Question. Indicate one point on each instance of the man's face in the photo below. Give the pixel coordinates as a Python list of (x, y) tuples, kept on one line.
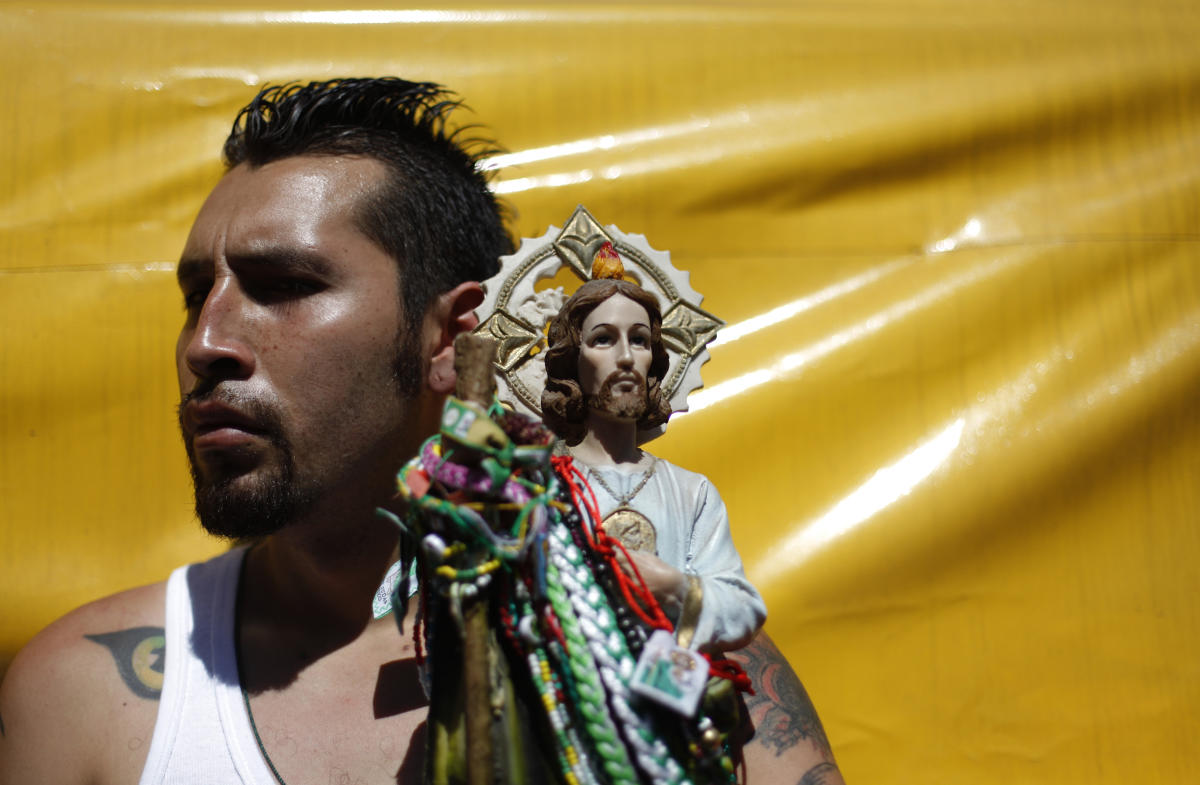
[(287, 357), (615, 356)]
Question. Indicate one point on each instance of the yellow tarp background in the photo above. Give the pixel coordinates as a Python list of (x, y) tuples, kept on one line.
[(954, 416)]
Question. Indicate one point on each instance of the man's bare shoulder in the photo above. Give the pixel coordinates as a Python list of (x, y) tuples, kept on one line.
[(79, 702)]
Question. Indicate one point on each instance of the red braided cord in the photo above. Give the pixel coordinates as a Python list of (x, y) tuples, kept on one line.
[(604, 545), (728, 669), (644, 605), (508, 625), (553, 626), (654, 615)]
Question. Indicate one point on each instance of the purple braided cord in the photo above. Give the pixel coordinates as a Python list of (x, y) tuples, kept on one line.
[(455, 475)]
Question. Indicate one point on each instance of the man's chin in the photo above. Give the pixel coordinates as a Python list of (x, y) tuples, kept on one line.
[(229, 465), (237, 519), (249, 506)]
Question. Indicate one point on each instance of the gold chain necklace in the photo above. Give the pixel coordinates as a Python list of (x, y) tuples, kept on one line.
[(623, 500), (627, 525)]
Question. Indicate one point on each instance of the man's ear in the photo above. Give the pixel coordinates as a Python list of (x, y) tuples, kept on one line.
[(452, 313)]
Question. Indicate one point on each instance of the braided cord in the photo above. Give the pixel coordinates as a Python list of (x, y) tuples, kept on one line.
[(611, 653), (556, 605), (572, 752), (592, 706), (569, 750)]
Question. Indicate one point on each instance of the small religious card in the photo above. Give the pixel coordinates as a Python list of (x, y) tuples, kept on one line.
[(670, 674), (381, 605)]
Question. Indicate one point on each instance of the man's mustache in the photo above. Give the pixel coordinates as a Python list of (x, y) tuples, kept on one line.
[(201, 392), (265, 417)]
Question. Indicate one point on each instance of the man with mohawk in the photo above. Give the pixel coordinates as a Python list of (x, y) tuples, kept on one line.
[(324, 280)]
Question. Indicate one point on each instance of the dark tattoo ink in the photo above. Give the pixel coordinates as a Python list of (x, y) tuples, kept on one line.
[(781, 710), (140, 653), (3, 735), (821, 774)]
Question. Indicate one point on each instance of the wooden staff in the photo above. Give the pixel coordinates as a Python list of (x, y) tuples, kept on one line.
[(476, 382)]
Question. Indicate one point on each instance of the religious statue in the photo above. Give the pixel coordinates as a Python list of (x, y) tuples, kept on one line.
[(605, 366), (547, 573)]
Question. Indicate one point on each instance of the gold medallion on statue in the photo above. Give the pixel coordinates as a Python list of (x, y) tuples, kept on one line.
[(631, 529)]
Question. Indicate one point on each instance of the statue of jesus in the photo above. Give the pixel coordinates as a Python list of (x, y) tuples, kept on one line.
[(604, 365)]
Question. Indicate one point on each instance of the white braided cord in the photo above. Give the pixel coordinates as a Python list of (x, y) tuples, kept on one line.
[(598, 721), (613, 658), (561, 721)]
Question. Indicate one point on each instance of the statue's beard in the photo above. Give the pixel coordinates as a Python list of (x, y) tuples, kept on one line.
[(629, 405)]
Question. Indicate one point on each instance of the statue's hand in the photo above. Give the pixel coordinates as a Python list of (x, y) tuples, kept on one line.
[(668, 585)]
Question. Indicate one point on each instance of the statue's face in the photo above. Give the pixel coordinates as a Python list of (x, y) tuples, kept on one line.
[(615, 355)]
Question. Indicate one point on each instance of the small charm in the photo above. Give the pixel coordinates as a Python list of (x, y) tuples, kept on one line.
[(631, 529), (381, 604), (670, 675)]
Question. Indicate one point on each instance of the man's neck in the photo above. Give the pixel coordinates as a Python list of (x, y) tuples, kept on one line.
[(306, 591)]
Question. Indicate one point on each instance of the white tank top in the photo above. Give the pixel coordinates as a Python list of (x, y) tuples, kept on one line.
[(203, 735)]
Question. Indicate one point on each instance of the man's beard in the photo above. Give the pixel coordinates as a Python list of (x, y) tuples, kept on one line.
[(624, 405), (229, 504), (271, 501)]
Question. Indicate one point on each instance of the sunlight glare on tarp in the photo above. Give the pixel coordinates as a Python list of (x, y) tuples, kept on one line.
[(882, 489)]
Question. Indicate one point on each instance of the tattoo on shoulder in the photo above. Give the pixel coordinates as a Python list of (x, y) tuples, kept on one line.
[(139, 653), (821, 774), (781, 710)]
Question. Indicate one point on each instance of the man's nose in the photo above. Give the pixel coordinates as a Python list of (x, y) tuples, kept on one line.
[(218, 347)]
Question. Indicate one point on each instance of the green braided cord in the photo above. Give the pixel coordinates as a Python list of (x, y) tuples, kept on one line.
[(566, 735), (583, 768), (592, 705), (568, 679), (451, 512), (612, 648)]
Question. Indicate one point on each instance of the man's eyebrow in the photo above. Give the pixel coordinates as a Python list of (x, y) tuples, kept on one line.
[(189, 268), (290, 259), (298, 260)]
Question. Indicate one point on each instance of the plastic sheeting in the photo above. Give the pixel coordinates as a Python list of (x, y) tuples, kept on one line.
[(954, 414)]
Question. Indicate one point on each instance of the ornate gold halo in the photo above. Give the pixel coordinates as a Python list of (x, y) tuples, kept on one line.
[(516, 315)]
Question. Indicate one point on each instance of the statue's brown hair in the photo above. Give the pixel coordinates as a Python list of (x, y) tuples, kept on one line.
[(564, 408)]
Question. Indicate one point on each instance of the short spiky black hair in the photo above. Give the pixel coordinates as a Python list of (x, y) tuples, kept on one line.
[(434, 213)]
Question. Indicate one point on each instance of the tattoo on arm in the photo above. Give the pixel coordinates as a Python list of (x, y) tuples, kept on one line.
[(781, 710), (2, 733), (139, 653)]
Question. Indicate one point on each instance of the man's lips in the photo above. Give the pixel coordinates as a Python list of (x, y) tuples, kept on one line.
[(214, 424)]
